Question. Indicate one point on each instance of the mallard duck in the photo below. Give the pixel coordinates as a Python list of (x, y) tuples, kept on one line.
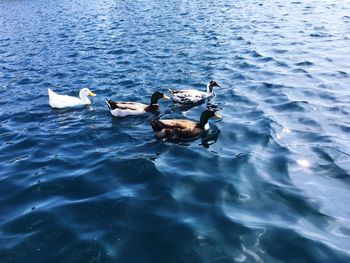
[(121, 109), (192, 96), (63, 101), (182, 129)]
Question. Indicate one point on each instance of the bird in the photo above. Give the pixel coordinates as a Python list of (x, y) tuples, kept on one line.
[(122, 109), (192, 96), (64, 101), (182, 129)]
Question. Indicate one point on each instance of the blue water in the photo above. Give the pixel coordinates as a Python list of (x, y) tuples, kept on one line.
[(77, 185)]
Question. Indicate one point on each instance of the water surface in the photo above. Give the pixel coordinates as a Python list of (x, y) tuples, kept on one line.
[(77, 185)]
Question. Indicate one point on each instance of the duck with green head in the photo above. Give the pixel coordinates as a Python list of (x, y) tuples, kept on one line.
[(122, 109), (182, 129)]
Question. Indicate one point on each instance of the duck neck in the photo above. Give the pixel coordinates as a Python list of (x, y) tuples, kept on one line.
[(154, 101), (203, 123), (209, 89), (84, 99)]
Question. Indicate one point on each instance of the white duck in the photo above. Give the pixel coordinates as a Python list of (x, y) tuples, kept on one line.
[(192, 96), (63, 101)]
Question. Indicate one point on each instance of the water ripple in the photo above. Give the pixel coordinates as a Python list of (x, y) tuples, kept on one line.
[(268, 183)]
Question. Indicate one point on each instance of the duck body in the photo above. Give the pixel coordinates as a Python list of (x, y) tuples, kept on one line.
[(122, 109), (182, 129), (192, 96), (65, 101), (176, 129), (189, 96)]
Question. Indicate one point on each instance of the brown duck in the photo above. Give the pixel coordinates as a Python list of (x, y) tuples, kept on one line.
[(182, 129)]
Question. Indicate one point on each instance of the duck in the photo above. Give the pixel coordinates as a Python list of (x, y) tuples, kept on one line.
[(122, 109), (64, 101), (182, 129), (192, 96)]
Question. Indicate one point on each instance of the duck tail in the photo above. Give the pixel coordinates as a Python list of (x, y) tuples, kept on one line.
[(51, 94), (50, 91), (112, 105), (109, 103), (157, 125)]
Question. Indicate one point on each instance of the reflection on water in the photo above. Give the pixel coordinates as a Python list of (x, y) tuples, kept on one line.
[(210, 136)]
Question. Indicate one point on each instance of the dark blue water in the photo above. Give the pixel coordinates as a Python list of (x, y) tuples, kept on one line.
[(77, 185)]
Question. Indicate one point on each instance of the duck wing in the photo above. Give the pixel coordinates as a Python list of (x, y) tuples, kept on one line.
[(175, 129), (191, 92), (188, 96), (134, 106), (171, 124)]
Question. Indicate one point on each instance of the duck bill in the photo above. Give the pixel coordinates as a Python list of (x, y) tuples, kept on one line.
[(217, 116), (165, 97), (92, 94)]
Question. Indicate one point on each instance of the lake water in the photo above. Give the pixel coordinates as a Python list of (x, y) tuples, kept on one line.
[(77, 185)]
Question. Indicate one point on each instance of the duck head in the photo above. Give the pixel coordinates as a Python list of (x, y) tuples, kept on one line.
[(158, 95), (211, 84), (206, 115), (84, 93)]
